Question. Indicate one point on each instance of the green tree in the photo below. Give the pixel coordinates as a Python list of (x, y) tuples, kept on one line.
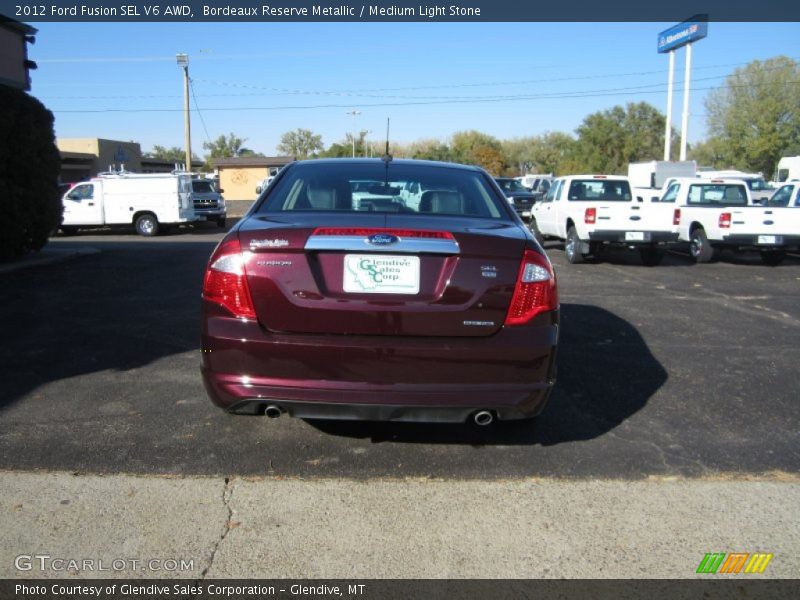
[(428, 149), (173, 154), (227, 147), (756, 115), (300, 143), (477, 148), (29, 171), (519, 153), (711, 153), (610, 139), (343, 149)]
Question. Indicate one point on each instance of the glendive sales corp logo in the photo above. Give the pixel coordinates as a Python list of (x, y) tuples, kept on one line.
[(736, 562)]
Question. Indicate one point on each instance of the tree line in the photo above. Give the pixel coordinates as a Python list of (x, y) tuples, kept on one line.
[(752, 120)]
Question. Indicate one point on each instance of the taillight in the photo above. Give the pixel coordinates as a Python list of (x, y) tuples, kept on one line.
[(725, 220), (367, 231), (590, 216), (676, 217), (226, 279), (535, 292)]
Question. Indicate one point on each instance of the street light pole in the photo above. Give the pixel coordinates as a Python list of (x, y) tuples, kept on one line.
[(366, 132), (183, 61), (355, 113)]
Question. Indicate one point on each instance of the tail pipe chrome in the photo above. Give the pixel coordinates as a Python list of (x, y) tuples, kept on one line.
[(273, 412), (483, 417)]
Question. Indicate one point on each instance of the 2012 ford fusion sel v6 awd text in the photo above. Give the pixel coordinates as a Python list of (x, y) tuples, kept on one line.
[(420, 297)]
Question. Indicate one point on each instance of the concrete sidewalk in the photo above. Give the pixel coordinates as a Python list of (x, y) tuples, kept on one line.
[(284, 528)]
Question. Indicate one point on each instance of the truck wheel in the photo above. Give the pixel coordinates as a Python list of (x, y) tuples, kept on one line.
[(699, 246), (572, 247), (535, 231), (221, 222), (651, 257), (772, 258), (146, 225), (69, 230)]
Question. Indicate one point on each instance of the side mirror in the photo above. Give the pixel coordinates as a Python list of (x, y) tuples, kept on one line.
[(73, 196), (639, 199), (258, 189), (654, 199), (220, 191)]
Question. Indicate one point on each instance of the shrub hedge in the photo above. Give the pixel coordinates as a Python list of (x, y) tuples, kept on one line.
[(29, 170)]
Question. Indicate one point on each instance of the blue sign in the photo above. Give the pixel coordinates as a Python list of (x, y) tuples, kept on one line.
[(692, 30)]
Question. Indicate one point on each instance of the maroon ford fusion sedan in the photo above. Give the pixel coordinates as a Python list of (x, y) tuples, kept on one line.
[(380, 289)]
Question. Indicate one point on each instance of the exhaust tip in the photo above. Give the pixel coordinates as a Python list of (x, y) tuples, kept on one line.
[(483, 417), (273, 412)]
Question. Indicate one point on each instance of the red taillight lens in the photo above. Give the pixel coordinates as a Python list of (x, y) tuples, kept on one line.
[(367, 231), (590, 216), (536, 290), (676, 217), (725, 220), (226, 280)]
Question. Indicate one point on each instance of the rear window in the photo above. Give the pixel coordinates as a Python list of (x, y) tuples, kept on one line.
[(599, 189), (374, 187), (721, 194)]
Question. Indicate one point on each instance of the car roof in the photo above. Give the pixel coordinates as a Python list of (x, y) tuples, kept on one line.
[(399, 161)]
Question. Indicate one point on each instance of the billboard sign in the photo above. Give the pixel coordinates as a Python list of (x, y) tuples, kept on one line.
[(692, 30)]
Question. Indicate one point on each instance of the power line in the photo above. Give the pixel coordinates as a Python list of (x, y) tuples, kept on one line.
[(199, 114), (290, 91), (563, 95)]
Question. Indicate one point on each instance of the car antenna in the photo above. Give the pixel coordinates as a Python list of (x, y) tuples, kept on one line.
[(387, 158)]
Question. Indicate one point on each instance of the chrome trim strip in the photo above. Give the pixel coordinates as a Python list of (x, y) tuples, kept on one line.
[(352, 243)]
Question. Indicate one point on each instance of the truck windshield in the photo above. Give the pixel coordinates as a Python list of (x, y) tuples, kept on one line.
[(511, 185), (202, 187), (615, 190)]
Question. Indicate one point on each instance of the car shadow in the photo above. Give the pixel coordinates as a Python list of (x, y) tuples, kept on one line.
[(129, 305), (606, 373)]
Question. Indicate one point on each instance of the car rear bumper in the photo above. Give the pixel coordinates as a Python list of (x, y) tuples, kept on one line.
[(511, 373), (763, 241), (622, 237)]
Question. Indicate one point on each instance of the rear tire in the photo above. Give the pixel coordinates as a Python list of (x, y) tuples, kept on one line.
[(67, 230), (651, 257), (772, 258), (146, 225), (700, 248), (572, 248)]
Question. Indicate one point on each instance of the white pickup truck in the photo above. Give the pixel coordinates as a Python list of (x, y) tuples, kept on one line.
[(590, 212), (787, 195), (716, 213)]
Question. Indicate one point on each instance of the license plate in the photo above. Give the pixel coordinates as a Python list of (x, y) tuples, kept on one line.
[(526, 213), (634, 236), (381, 274), (770, 239)]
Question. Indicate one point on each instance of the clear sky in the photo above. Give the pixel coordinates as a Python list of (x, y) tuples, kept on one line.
[(259, 80)]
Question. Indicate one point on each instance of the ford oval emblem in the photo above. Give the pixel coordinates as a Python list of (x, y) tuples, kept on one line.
[(382, 239)]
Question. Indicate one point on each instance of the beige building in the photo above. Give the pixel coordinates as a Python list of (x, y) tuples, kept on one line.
[(240, 176), (82, 158)]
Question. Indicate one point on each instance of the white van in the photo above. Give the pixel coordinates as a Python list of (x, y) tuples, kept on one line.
[(150, 202)]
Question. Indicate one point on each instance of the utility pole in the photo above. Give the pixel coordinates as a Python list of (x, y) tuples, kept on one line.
[(183, 61), (355, 113)]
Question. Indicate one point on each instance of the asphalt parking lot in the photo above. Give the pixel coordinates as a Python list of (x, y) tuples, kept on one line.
[(676, 370)]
